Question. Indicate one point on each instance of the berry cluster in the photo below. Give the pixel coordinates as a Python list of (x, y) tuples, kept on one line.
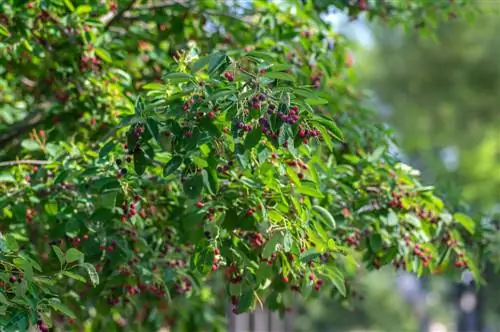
[(257, 240), (257, 100), (316, 80), (292, 117), (423, 254), (42, 326), (183, 286)]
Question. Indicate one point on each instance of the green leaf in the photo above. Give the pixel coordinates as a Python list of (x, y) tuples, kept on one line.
[(69, 5), (178, 77), (75, 276), (216, 63), (309, 255), (172, 165), (54, 303), (316, 101), (153, 86), (210, 180), (281, 67), (465, 221), (310, 191), (140, 162), (337, 279), (30, 145), (330, 125), (270, 246), (59, 254), (5, 177), (51, 208), (106, 149), (94, 277), (103, 54), (246, 301), (73, 255), (193, 186), (252, 138), (266, 56), (325, 215), (200, 63), (3, 299), (280, 76), (83, 9)]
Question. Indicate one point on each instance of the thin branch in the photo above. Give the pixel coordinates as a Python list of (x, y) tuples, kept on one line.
[(22, 127), (27, 161), (108, 21)]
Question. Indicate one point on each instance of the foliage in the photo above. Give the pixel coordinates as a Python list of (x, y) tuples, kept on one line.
[(162, 153)]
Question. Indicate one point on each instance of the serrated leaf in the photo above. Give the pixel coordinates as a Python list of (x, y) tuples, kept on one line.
[(75, 276), (465, 221), (325, 216), (270, 246), (309, 255), (73, 255), (172, 165), (153, 86), (309, 191), (200, 63), (106, 149), (103, 54), (54, 303), (5, 177), (3, 299), (30, 145), (94, 277), (178, 77), (280, 76), (59, 254)]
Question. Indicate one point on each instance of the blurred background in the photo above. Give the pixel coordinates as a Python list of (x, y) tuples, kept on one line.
[(441, 94)]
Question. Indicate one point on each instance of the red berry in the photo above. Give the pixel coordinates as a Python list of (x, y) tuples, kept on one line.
[(217, 251), (199, 204), (211, 115), (284, 279)]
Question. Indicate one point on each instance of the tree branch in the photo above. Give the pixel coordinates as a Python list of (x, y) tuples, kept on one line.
[(19, 128), (109, 20), (27, 161)]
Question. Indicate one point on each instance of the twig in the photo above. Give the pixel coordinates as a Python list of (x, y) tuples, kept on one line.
[(20, 162), (109, 21), (19, 128)]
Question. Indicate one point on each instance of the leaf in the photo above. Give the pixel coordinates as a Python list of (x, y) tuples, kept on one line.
[(3, 299), (178, 77), (216, 62), (309, 255), (280, 76), (69, 5), (252, 138), (246, 301), (270, 246), (172, 165), (316, 101), (75, 276), (94, 277), (465, 221), (266, 56), (153, 86), (106, 149), (140, 162), (54, 303), (200, 63), (309, 191), (392, 218), (194, 186), (73, 255), (83, 9), (210, 180), (5, 177), (281, 67), (330, 125), (337, 279), (30, 145), (59, 254), (103, 54), (51, 208), (325, 215)]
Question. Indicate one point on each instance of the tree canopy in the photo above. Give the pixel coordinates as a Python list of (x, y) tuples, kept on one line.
[(162, 158)]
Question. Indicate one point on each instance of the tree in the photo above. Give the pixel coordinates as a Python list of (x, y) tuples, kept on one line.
[(160, 154)]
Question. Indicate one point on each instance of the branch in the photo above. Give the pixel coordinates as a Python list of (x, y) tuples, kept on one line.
[(109, 20), (19, 128), (20, 162)]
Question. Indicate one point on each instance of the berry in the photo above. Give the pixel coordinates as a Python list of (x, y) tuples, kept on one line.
[(284, 279), (124, 170), (217, 251), (199, 204), (13, 279)]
